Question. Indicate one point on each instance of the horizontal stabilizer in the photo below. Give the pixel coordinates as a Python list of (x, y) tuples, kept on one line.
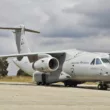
[(21, 41), (19, 28)]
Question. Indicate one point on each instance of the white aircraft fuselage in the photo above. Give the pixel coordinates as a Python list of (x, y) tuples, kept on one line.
[(77, 66)]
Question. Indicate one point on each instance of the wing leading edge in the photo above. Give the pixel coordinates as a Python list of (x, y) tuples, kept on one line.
[(31, 55)]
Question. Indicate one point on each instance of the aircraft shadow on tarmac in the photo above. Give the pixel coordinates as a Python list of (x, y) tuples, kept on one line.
[(20, 84), (79, 87), (92, 88), (54, 85)]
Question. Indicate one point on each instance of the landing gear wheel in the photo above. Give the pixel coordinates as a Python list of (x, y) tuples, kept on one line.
[(47, 84), (39, 83), (105, 87), (70, 84), (102, 86), (74, 85), (66, 85)]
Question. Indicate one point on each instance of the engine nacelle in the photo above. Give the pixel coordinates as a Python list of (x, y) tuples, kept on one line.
[(48, 64)]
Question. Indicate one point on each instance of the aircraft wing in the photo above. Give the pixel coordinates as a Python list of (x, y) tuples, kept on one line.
[(34, 56), (31, 54)]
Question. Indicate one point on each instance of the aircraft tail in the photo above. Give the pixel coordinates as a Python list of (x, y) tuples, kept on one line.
[(21, 41)]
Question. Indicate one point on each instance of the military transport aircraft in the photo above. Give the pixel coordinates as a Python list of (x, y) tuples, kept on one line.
[(72, 67)]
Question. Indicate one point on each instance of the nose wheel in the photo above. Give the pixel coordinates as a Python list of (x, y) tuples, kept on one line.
[(102, 86)]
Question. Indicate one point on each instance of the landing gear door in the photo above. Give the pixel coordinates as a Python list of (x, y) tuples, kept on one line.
[(99, 66)]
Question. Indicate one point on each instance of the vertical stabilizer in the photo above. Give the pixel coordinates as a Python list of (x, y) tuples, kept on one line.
[(21, 41)]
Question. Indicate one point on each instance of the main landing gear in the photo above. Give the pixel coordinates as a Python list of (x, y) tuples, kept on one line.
[(102, 86), (70, 83), (44, 80)]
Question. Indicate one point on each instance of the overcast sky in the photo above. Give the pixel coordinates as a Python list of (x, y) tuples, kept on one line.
[(64, 24)]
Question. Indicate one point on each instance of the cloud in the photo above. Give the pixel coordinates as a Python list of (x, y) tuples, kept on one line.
[(63, 24), (94, 13), (4, 33)]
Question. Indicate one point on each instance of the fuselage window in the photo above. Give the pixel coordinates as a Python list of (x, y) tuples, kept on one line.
[(98, 62), (93, 62)]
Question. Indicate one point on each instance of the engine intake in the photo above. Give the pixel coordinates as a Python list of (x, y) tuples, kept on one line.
[(48, 64)]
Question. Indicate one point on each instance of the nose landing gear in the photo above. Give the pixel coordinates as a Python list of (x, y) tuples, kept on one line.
[(102, 86)]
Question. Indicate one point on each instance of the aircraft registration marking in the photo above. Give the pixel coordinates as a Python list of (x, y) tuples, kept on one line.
[(95, 68)]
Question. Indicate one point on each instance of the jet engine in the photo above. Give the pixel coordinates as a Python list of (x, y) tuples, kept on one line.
[(48, 64)]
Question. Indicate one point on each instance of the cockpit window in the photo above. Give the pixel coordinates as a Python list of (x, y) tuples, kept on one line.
[(105, 60), (98, 62), (93, 62)]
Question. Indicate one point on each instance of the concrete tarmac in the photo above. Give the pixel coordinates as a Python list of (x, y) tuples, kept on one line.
[(21, 96)]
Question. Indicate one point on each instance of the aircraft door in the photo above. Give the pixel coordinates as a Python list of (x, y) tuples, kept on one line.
[(99, 66), (96, 68)]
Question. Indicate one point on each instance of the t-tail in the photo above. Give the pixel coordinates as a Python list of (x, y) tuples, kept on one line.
[(21, 42)]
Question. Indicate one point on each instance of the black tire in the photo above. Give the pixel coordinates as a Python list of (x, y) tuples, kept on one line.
[(105, 87), (39, 83), (65, 84), (100, 87), (74, 85), (68, 84)]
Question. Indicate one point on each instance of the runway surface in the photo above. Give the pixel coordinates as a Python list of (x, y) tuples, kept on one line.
[(25, 96)]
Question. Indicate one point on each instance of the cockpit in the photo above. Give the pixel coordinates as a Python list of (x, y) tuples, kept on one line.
[(98, 61), (105, 60)]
